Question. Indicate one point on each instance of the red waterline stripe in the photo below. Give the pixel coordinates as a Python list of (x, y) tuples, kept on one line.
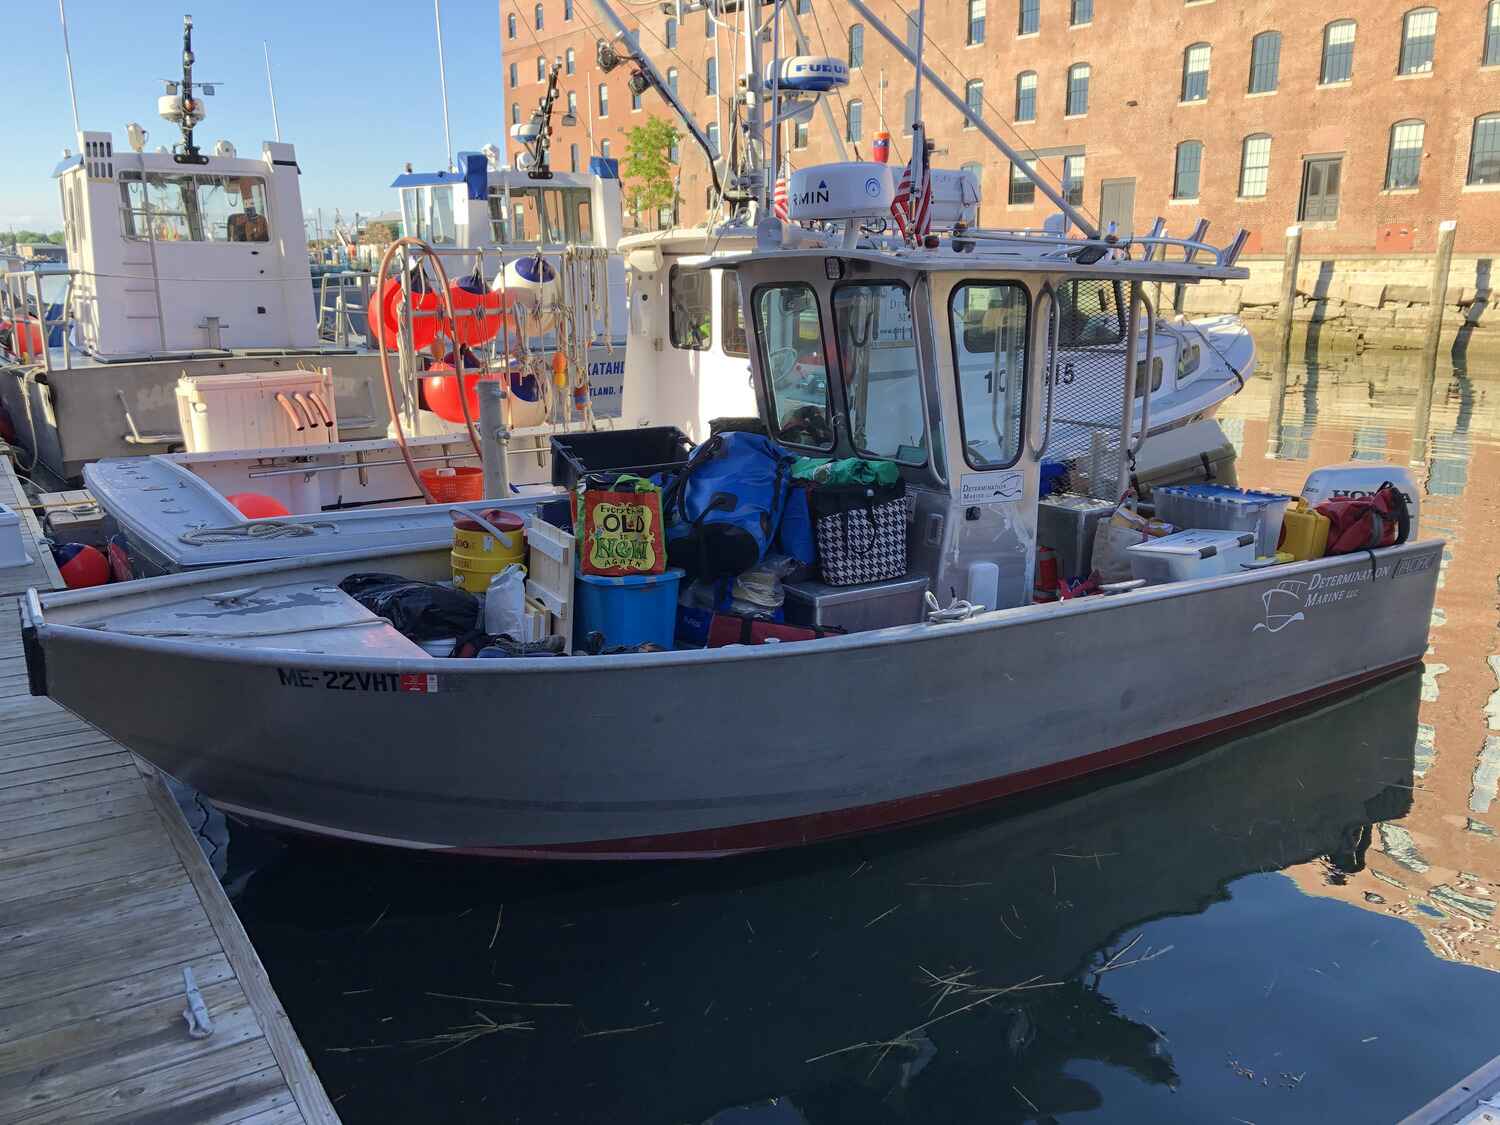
[(764, 835)]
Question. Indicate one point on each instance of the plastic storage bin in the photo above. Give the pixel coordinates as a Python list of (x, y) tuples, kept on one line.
[(1200, 553), (631, 610), (1224, 508), (642, 451), (256, 409)]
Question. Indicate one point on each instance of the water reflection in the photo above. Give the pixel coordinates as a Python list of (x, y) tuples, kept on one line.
[(1295, 919)]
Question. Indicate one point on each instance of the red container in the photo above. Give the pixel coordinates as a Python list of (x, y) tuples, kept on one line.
[(734, 629), (450, 486)]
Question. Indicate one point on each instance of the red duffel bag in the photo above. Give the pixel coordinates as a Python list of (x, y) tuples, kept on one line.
[(737, 629), (1362, 523)]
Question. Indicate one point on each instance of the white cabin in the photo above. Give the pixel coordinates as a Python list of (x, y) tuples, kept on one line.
[(171, 258)]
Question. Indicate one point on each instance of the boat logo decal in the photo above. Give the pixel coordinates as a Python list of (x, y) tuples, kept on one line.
[(333, 680), (1005, 487), (1287, 602), (1283, 605)]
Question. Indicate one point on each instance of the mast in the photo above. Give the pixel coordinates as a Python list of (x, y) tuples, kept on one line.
[(186, 151), (437, 16)]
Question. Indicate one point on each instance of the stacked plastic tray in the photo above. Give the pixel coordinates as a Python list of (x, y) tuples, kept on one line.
[(1220, 507)]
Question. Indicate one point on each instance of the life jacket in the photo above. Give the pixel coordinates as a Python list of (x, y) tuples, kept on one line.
[(1362, 523), (724, 508)]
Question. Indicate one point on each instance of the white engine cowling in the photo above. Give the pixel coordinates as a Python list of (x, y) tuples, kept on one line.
[(828, 192), (1362, 478)]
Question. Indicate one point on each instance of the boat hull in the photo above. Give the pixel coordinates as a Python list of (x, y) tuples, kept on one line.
[(740, 749)]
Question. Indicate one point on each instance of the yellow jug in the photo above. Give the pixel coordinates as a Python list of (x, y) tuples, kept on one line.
[(1304, 533)]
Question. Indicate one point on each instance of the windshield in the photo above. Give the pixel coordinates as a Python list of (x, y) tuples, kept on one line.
[(878, 358), (791, 351), (990, 324)]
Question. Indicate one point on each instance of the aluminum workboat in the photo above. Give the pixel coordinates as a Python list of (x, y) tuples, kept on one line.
[(282, 699)]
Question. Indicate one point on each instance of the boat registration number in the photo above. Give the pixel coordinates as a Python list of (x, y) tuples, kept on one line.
[(332, 680)]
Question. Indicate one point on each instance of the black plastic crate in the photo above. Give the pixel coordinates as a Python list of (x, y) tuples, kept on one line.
[(642, 451)]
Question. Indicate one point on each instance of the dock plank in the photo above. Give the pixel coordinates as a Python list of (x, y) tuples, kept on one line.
[(105, 898)]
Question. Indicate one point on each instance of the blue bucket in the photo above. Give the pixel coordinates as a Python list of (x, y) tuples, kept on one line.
[(631, 610)]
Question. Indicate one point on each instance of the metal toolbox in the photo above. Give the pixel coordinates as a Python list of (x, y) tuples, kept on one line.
[(871, 605), (1066, 523)]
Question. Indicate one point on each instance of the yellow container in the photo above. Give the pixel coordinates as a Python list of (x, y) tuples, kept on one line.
[(1304, 533), (478, 555)]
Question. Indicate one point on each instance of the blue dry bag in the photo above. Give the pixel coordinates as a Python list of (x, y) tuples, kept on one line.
[(723, 510)]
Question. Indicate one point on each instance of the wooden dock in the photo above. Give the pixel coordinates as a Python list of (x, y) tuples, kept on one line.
[(105, 898)]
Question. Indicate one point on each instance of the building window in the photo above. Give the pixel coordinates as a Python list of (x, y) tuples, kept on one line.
[(974, 99), (537, 12), (1265, 62), (570, 61), (1022, 190), (1321, 181), (711, 77), (1082, 12), (515, 113), (1072, 185), (671, 33), (1030, 21), (708, 24), (1338, 52), (1255, 165), (1492, 34), (1484, 152), (1403, 162), (799, 135), (573, 103), (977, 171), (510, 26), (635, 100), (1188, 171), (976, 21), (1078, 89), (712, 132), (573, 158), (567, 10), (857, 45), (541, 69), (514, 78), (603, 100), (1026, 96), (1418, 38), (804, 7), (605, 149), (672, 80), (1195, 73), (674, 153), (855, 124)]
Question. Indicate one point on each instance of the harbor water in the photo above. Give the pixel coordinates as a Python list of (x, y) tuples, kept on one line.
[(1294, 924)]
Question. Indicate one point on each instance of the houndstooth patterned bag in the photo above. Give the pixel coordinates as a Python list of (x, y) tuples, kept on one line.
[(861, 533)]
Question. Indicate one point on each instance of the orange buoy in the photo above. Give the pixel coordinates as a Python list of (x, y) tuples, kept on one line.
[(386, 330), (81, 565), (440, 392), (257, 506)]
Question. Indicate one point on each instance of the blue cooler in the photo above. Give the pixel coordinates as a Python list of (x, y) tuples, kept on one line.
[(631, 610)]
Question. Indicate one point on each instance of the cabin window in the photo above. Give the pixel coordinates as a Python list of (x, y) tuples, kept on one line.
[(186, 207), (732, 318), (582, 211), (690, 308), (990, 325), (442, 232), (790, 333), (555, 209), (1091, 313), (872, 326)]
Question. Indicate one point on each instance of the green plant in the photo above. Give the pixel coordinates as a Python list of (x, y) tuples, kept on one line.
[(649, 178)]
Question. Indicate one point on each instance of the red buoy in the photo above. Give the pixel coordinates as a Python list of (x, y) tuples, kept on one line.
[(441, 393), (257, 506), (385, 327), (81, 565)]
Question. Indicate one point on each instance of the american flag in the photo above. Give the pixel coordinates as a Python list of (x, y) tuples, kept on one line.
[(778, 197), (913, 210)]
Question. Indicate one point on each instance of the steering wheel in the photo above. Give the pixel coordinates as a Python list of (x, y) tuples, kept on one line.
[(781, 361)]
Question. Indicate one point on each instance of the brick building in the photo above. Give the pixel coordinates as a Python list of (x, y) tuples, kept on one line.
[(1367, 122)]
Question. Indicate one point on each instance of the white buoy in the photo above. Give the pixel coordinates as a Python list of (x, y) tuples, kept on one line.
[(532, 290)]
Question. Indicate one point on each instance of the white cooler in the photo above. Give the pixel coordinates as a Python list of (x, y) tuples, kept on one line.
[(256, 410), (1191, 554)]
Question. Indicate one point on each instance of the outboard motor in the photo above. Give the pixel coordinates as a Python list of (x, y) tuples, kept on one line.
[(1363, 478)]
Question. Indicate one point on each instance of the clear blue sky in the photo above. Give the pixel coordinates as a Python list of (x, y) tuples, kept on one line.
[(356, 88)]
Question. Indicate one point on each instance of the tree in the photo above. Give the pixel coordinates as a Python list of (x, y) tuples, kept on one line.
[(379, 233), (20, 236), (649, 178)]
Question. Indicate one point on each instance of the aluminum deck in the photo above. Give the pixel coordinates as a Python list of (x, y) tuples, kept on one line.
[(105, 898)]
